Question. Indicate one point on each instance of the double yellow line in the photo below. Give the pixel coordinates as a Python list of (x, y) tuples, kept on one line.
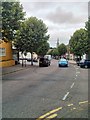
[(50, 114)]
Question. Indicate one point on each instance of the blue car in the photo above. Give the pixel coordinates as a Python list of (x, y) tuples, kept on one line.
[(63, 62)]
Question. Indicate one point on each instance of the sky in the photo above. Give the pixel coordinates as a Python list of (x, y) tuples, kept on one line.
[(62, 18)]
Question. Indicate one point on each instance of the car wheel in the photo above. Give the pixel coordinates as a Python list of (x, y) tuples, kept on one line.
[(86, 66), (40, 65), (81, 66)]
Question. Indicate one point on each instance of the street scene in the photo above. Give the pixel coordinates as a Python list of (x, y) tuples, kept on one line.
[(46, 92), (44, 60)]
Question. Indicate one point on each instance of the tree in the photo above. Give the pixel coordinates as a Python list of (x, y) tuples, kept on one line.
[(55, 53), (12, 15), (62, 49), (43, 49), (31, 36), (78, 42), (87, 26)]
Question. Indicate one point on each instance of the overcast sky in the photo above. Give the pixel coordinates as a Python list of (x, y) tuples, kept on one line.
[(61, 18)]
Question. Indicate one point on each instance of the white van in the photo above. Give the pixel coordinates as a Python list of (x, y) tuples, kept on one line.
[(48, 56)]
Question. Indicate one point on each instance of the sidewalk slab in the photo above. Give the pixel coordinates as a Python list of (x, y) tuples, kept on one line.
[(72, 62), (15, 68)]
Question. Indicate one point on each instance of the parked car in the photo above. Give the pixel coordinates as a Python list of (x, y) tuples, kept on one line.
[(63, 62), (48, 57), (84, 63), (44, 62)]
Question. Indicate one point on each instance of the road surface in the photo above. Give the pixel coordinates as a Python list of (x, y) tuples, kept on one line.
[(46, 92)]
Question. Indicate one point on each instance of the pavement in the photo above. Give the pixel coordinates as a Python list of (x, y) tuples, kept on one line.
[(15, 68), (72, 62)]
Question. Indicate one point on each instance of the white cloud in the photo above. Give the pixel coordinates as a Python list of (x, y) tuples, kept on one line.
[(61, 18), (54, 0)]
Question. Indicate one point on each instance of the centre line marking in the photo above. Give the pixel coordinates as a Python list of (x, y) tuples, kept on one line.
[(72, 85), (64, 98)]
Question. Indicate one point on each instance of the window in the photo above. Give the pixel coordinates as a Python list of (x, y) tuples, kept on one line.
[(2, 51)]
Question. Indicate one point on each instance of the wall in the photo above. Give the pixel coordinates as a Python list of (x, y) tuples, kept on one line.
[(6, 58)]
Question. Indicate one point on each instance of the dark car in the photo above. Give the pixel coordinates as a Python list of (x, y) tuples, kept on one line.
[(44, 62), (84, 63)]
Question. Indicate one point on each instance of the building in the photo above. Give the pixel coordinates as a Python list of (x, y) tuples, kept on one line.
[(6, 56)]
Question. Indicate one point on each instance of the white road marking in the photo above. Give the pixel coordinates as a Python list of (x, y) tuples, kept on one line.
[(76, 75), (70, 105), (77, 72), (64, 98), (72, 85), (83, 102), (77, 68)]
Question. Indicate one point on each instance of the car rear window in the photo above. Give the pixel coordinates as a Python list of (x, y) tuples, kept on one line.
[(41, 59), (63, 60)]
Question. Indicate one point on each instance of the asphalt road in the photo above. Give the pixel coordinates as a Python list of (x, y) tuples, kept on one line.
[(46, 92)]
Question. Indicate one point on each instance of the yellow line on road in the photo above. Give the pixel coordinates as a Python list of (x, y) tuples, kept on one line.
[(50, 117), (83, 102), (47, 114)]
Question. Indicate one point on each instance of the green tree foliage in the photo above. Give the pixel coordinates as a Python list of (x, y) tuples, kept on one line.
[(12, 14), (55, 52), (88, 38), (62, 49), (32, 35), (43, 49), (78, 42)]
